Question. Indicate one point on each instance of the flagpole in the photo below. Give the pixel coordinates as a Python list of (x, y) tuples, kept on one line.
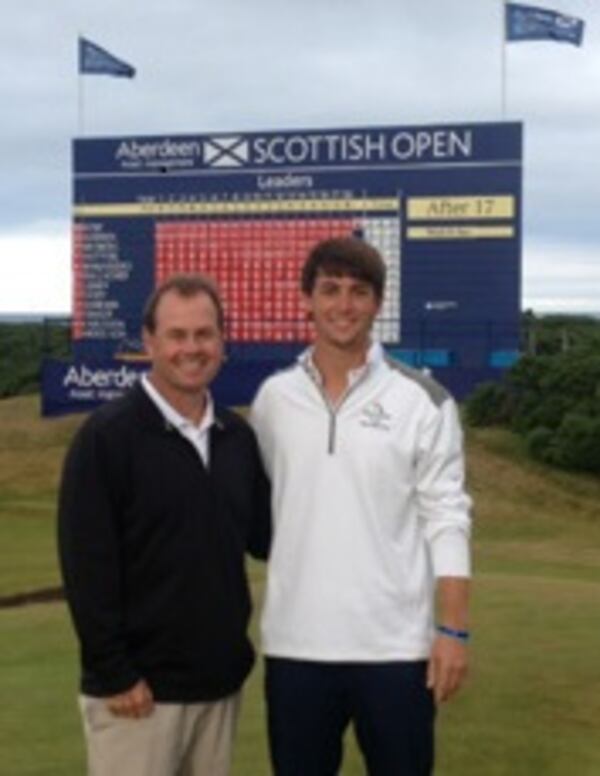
[(503, 60), (80, 92), (80, 125)]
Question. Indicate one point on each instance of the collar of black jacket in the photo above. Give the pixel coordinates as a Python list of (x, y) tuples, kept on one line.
[(149, 415)]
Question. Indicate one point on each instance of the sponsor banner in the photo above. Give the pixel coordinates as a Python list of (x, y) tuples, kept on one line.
[(252, 151), (80, 386), (83, 385)]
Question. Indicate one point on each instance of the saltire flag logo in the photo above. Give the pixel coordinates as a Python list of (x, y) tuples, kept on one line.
[(226, 152), (527, 22), (95, 60)]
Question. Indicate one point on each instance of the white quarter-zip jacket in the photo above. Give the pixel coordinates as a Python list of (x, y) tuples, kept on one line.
[(369, 507)]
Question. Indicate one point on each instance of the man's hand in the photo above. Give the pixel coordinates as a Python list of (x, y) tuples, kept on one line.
[(447, 667), (136, 702)]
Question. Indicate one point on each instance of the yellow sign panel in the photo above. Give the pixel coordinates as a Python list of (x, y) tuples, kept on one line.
[(239, 207), (459, 232), (460, 208)]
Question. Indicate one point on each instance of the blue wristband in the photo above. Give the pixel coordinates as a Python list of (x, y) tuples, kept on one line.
[(459, 635)]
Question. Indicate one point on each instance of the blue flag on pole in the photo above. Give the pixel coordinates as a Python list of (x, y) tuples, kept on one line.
[(527, 22), (94, 60)]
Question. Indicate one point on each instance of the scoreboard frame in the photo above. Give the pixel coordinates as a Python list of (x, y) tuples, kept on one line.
[(441, 202)]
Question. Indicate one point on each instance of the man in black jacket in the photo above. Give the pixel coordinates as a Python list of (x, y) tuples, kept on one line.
[(161, 495)]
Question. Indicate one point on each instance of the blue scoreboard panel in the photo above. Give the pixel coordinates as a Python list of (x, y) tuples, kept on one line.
[(441, 203)]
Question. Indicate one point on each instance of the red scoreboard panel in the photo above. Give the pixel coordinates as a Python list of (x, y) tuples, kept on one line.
[(253, 248), (256, 264)]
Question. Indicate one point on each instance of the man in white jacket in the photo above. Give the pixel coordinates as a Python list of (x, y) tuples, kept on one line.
[(365, 618)]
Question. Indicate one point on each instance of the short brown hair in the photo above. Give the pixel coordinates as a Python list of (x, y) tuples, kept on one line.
[(345, 256), (186, 285)]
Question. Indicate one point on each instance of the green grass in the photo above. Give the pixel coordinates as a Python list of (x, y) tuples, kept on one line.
[(31, 452), (532, 703), (530, 708), (39, 727)]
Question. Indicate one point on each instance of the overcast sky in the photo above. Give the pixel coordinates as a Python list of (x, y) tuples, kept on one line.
[(237, 65)]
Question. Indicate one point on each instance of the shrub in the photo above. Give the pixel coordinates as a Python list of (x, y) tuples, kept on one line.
[(539, 443), (553, 401), (576, 444), (487, 405), (573, 376), (545, 411)]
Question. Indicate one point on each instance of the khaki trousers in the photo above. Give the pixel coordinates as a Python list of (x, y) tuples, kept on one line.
[(191, 739)]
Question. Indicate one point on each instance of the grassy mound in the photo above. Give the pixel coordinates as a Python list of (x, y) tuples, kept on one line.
[(533, 702)]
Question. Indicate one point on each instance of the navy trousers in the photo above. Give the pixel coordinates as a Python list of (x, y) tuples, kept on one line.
[(310, 705)]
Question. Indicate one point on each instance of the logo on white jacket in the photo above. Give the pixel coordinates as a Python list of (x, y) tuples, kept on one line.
[(374, 416)]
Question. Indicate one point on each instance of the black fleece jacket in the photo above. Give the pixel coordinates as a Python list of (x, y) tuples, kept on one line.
[(152, 548)]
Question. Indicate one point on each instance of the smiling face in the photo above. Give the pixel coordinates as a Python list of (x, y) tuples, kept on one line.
[(185, 346), (343, 309)]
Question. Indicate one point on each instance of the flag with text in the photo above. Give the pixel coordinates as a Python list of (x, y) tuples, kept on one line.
[(528, 22)]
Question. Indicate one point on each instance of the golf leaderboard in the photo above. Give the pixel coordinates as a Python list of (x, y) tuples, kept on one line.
[(254, 248), (441, 203)]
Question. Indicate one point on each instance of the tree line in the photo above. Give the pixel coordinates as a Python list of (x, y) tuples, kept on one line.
[(22, 348), (551, 396)]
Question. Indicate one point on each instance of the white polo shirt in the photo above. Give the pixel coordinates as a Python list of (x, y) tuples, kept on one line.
[(198, 435)]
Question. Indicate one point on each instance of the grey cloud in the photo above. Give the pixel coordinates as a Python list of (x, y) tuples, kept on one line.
[(266, 64)]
